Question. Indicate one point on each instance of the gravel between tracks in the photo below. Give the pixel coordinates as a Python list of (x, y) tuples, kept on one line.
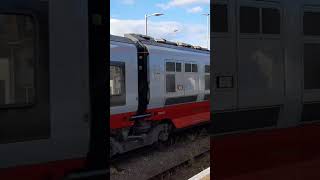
[(146, 166)]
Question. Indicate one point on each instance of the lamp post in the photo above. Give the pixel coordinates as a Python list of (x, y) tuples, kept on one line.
[(146, 19), (208, 29)]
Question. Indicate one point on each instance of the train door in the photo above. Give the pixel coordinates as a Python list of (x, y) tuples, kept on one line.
[(174, 80), (310, 125), (260, 50), (191, 80), (224, 77), (252, 135), (24, 95), (123, 78)]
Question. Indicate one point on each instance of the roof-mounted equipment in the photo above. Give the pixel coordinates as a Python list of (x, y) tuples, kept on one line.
[(164, 41)]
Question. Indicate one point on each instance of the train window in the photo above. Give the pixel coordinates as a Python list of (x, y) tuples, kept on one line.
[(220, 18), (207, 82), (187, 67), (178, 67), (194, 68), (270, 21), (207, 77), (17, 86), (311, 66), (207, 68), (311, 24), (170, 67), (170, 83), (249, 20), (117, 84)]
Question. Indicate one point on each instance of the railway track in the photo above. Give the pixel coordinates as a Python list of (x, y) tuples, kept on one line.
[(171, 171), (152, 163)]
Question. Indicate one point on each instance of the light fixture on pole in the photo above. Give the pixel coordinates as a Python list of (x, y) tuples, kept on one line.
[(146, 19), (208, 29)]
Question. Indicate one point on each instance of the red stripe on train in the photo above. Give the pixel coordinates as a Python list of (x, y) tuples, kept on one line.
[(51, 170), (182, 115)]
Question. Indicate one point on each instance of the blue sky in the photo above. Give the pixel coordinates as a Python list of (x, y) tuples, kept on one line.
[(185, 16)]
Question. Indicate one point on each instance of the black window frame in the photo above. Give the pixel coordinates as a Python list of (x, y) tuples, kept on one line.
[(36, 38), (305, 11), (177, 66), (206, 68), (241, 30), (306, 84), (185, 64), (174, 87), (171, 62), (226, 18), (278, 31), (192, 67), (260, 9)]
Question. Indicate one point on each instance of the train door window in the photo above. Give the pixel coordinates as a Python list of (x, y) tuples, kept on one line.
[(17, 58), (311, 24), (171, 68), (311, 66), (270, 21), (249, 20), (117, 84), (219, 18), (170, 83), (191, 81), (207, 78)]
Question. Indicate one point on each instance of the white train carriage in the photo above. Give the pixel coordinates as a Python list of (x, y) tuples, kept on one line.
[(156, 86)]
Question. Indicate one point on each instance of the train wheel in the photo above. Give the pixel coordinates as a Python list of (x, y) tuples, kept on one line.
[(164, 139)]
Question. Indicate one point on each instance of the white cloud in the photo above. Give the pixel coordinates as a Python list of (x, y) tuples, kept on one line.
[(180, 3), (197, 9), (194, 34)]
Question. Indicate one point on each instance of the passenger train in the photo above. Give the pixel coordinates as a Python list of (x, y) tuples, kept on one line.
[(52, 117), (156, 87), (265, 94)]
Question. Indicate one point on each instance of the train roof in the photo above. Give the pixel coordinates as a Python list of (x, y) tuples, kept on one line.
[(147, 40), (120, 39)]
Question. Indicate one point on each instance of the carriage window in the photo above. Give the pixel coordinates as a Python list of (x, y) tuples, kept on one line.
[(270, 21), (220, 18), (311, 24), (207, 68), (194, 68), (117, 84), (311, 66), (178, 67), (17, 60), (170, 66), (187, 67), (249, 20)]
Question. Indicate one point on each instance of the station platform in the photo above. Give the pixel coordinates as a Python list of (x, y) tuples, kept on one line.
[(203, 175)]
